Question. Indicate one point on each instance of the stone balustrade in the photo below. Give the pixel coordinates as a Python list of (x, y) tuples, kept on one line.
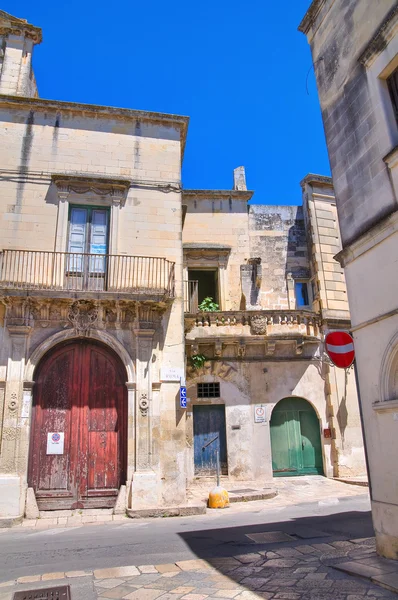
[(253, 323)]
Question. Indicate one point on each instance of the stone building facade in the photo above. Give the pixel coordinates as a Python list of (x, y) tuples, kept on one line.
[(90, 284), (271, 271), (355, 54), (102, 253)]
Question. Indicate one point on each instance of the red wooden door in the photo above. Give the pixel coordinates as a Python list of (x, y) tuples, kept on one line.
[(80, 391)]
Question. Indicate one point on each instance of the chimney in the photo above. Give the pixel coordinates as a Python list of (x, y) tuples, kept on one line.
[(240, 179), (17, 41)]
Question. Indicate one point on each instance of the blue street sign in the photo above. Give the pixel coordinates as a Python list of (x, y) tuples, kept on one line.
[(183, 397)]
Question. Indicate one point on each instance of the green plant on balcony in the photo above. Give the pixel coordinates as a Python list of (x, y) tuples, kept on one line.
[(208, 305), (198, 361)]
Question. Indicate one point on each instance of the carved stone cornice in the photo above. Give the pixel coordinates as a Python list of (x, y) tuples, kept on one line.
[(113, 189), (10, 25)]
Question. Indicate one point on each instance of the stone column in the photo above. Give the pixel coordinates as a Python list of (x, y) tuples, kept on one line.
[(145, 486), (12, 465)]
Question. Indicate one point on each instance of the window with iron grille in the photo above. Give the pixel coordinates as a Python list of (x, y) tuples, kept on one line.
[(208, 390), (392, 83)]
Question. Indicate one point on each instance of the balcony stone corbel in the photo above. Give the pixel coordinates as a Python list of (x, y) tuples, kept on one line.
[(299, 346), (218, 348)]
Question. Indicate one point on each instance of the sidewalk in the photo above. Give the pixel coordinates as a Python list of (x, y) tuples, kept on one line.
[(279, 566), (286, 491)]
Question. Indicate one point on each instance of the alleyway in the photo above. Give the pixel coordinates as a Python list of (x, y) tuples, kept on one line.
[(264, 549)]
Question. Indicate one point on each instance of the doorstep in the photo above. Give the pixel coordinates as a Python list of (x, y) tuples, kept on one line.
[(362, 481)]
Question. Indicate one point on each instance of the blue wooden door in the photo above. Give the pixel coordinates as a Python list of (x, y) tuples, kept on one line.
[(209, 436)]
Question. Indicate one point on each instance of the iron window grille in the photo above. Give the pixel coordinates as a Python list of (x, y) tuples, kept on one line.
[(208, 390)]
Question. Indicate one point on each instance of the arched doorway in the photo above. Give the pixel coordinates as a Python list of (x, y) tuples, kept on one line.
[(295, 439), (78, 446)]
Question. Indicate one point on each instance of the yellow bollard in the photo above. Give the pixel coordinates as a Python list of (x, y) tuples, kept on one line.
[(218, 498)]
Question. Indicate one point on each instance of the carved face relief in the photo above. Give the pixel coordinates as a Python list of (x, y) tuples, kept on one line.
[(258, 324)]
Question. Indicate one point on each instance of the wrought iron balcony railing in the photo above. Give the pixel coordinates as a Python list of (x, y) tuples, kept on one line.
[(70, 272)]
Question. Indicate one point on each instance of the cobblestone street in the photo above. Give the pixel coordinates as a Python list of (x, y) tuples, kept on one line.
[(291, 570)]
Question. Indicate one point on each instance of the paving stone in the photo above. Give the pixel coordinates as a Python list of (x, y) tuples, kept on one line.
[(143, 594), (324, 548), (147, 569), (270, 537), (306, 549), (170, 575), (305, 570), (191, 565), (51, 576), (254, 582), (316, 576), (227, 593), (118, 592), (289, 553), (241, 572), (29, 579), (306, 584), (167, 568), (223, 560), (247, 558), (7, 583), (253, 595), (357, 568), (182, 590), (387, 566), (194, 597), (278, 563), (387, 580), (287, 596), (108, 583), (116, 572)]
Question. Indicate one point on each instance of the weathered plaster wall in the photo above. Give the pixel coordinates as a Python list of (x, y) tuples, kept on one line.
[(357, 139), (244, 384)]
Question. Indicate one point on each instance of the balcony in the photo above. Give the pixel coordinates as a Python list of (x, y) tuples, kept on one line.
[(100, 276)]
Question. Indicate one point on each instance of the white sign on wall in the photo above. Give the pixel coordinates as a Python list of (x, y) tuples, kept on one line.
[(259, 413), (55, 442), (172, 374)]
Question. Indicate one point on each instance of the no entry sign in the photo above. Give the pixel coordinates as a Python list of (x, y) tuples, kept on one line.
[(339, 346)]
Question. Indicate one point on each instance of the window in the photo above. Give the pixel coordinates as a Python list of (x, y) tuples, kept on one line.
[(208, 390), (302, 296), (207, 283), (88, 234), (392, 83)]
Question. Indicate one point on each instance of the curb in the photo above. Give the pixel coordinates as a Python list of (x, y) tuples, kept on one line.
[(167, 511), (271, 493)]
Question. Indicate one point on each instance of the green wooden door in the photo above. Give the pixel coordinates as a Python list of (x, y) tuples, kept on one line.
[(295, 439)]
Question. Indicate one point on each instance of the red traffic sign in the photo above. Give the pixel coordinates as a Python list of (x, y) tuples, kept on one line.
[(339, 346)]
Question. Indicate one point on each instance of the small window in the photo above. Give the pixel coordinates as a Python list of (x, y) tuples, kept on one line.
[(208, 390), (392, 83), (302, 296)]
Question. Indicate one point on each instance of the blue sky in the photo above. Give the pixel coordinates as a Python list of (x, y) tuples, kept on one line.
[(237, 69)]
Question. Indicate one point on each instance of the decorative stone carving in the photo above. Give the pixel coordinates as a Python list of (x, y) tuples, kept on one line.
[(13, 404), (270, 348), (258, 324), (83, 314), (143, 404), (115, 189), (241, 349), (218, 348)]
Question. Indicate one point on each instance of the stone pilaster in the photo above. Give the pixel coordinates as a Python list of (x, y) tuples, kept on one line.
[(144, 489), (12, 477)]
